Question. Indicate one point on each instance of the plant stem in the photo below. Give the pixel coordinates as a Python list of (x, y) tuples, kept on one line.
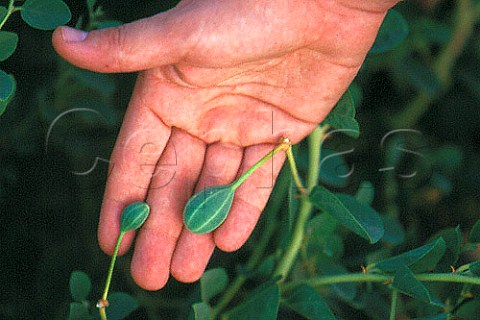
[(11, 9), (288, 259), (112, 264), (103, 314), (284, 145), (465, 20), (294, 170), (453, 277), (271, 212), (393, 305), (103, 303)]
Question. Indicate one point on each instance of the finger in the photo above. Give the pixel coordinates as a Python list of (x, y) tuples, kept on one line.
[(139, 145), (193, 251), (250, 198), (171, 186), (140, 45)]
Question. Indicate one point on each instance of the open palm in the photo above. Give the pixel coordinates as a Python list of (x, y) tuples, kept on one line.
[(221, 82)]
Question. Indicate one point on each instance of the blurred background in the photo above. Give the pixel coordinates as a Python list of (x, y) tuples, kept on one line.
[(428, 88)]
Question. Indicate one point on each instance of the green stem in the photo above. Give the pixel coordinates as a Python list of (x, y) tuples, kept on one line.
[(294, 170), (103, 314), (371, 277), (11, 9), (393, 305), (271, 211), (288, 259), (112, 265), (103, 302), (284, 145)]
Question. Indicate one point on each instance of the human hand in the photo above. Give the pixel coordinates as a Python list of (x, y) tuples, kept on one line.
[(221, 82)]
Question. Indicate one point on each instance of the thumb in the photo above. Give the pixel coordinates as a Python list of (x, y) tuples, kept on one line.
[(143, 44)]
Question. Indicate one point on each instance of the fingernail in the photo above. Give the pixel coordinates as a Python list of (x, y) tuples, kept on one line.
[(73, 35)]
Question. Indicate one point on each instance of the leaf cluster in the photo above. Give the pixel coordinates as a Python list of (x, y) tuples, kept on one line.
[(39, 14)]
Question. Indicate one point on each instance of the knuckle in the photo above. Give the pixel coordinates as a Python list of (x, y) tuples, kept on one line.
[(117, 44)]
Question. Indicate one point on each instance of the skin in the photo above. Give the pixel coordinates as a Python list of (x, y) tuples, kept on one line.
[(215, 76)]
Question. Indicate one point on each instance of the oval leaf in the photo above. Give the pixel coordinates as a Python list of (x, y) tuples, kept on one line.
[(321, 238), (342, 116), (334, 170), (405, 282), (133, 216), (360, 218), (474, 235), (365, 193), (45, 14), (8, 44), (79, 311), (262, 303), (213, 282), (80, 286), (207, 209), (453, 246), (7, 86), (420, 259), (393, 31), (307, 302), (201, 311)]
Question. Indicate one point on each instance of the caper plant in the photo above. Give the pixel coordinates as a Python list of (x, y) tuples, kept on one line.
[(39, 14), (297, 263)]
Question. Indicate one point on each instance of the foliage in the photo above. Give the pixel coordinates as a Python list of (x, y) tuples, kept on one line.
[(387, 224), (39, 14)]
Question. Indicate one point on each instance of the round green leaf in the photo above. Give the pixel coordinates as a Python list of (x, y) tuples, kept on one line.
[(8, 44), (80, 286), (7, 86), (45, 14), (133, 216), (207, 209)]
